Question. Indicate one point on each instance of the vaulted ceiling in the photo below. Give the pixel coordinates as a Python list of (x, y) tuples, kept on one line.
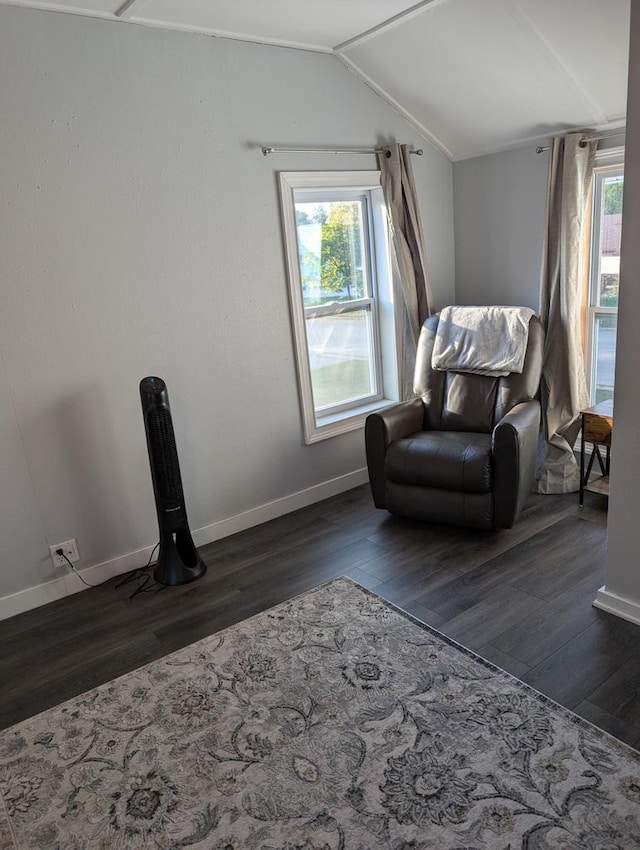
[(472, 76)]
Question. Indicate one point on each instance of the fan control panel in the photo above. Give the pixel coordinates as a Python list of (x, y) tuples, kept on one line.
[(152, 385)]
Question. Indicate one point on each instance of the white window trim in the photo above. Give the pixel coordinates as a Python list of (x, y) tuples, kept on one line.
[(606, 161), (316, 427)]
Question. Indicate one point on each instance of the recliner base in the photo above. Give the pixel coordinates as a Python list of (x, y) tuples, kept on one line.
[(449, 507)]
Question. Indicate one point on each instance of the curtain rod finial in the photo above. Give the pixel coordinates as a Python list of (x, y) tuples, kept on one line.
[(266, 150)]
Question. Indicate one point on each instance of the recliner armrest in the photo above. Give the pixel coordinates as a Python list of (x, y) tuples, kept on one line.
[(383, 428), (399, 420), (514, 446)]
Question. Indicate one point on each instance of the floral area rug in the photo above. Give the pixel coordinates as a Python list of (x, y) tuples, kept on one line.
[(331, 722)]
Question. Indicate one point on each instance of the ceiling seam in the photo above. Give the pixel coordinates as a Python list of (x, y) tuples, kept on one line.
[(519, 15), (59, 7), (127, 9), (426, 134), (525, 141), (129, 13), (420, 8), (157, 23)]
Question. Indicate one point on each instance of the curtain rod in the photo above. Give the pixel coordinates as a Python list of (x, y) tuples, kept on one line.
[(267, 150), (585, 139)]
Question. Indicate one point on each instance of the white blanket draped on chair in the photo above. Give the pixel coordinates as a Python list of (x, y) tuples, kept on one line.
[(482, 340)]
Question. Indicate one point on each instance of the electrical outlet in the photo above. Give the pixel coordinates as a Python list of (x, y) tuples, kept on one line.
[(70, 549)]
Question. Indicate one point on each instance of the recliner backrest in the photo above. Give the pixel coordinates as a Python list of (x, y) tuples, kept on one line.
[(458, 401)]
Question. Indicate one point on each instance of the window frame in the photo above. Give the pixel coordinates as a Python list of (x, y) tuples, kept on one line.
[(608, 162), (323, 423)]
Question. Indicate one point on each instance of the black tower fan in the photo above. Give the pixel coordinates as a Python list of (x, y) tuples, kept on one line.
[(178, 559)]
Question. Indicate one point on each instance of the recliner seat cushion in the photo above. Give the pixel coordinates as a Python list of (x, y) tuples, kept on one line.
[(449, 460)]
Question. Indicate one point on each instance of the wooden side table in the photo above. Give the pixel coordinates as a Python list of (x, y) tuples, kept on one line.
[(597, 425)]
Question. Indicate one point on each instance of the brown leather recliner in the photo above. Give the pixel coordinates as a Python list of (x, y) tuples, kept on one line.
[(463, 452)]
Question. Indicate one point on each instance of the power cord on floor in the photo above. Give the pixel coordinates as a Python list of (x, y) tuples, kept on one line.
[(145, 583), (140, 574)]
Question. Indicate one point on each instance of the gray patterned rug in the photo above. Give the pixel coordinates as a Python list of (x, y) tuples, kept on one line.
[(331, 722)]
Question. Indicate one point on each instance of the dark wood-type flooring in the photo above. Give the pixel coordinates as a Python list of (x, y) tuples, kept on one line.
[(520, 598)]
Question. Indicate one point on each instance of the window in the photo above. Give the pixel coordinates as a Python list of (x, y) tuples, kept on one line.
[(604, 275), (340, 295)]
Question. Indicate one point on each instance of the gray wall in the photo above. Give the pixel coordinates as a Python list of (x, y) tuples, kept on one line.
[(623, 559), (141, 235), (499, 211)]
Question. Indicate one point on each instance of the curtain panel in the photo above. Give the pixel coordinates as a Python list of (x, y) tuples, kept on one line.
[(398, 186), (563, 391)]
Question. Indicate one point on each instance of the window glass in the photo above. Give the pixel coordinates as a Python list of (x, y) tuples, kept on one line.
[(604, 357), (611, 230), (341, 296), (341, 357), (331, 247), (604, 279)]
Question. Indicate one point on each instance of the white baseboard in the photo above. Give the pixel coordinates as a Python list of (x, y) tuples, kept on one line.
[(41, 594), (614, 604)]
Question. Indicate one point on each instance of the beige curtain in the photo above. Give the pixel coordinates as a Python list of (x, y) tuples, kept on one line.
[(563, 391), (398, 186)]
